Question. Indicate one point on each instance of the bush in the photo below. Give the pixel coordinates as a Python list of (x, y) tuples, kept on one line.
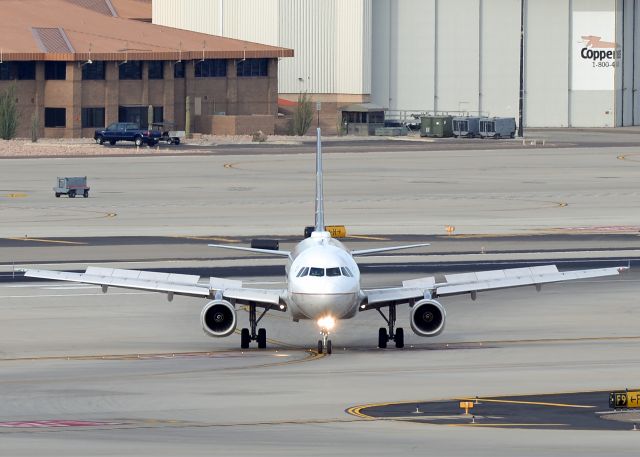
[(8, 113), (259, 137), (303, 115)]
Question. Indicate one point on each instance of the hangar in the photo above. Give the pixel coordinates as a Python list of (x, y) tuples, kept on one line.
[(439, 55)]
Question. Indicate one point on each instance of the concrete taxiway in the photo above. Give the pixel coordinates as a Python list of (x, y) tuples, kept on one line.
[(128, 373)]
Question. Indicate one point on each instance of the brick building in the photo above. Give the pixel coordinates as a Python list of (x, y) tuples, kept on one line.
[(83, 64)]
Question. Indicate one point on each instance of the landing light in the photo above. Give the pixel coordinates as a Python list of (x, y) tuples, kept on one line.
[(326, 322)]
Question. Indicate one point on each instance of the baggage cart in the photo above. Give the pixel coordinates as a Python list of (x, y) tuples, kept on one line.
[(72, 186)]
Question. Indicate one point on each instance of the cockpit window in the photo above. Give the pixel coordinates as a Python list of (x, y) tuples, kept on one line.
[(304, 271), (333, 271), (346, 272), (316, 271)]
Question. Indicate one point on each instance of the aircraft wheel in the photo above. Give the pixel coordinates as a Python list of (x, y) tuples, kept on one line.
[(328, 346), (320, 347), (399, 338), (262, 338), (245, 338), (383, 338)]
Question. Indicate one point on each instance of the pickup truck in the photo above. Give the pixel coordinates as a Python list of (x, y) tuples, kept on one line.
[(126, 131)]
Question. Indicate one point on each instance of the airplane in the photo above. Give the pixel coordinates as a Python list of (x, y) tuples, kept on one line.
[(322, 284)]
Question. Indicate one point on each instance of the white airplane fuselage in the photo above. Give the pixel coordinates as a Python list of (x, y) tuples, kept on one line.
[(323, 279)]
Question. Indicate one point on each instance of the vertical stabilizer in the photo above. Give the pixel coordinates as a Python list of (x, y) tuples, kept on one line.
[(319, 191)]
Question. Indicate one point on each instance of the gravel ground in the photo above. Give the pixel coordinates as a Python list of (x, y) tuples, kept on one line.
[(51, 147)]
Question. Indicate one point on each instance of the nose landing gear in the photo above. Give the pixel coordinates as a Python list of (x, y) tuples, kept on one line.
[(324, 345), (397, 336)]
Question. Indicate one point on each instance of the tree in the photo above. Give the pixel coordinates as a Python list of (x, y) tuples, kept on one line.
[(303, 114), (8, 113)]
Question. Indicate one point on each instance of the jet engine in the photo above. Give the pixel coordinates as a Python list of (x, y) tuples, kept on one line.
[(427, 318), (218, 318)]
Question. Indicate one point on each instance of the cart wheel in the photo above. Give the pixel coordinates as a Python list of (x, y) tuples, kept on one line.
[(112, 142), (57, 195), (176, 141), (72, 194), (85, 194)]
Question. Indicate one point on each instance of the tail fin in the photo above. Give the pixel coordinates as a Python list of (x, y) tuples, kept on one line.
[(319, 190)]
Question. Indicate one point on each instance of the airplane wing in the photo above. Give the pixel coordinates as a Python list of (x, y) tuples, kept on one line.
[(472, 283), (169, 283)]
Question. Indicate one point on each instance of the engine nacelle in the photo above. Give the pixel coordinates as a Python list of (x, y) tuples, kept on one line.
[(218, 318), (427, 318)]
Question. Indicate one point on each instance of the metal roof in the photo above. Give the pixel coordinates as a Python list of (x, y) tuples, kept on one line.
[(27, 35)]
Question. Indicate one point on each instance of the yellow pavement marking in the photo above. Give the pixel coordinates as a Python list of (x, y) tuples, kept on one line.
[(363, 237), (15, 195), (208, 238), (42, 240), (521, 402), (229, 165), (357, 410)]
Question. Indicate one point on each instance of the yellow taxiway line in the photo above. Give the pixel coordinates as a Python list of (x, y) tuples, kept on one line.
[(42, 240), (363, 237), (208, 238)]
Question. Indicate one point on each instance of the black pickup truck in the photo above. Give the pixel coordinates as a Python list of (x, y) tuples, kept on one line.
[(126, 131)]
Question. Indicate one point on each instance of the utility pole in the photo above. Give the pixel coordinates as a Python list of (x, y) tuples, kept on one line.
[(521, 100)]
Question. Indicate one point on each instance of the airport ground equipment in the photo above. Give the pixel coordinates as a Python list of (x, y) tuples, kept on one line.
[(466, 126), (498, 127), (168, 133), (72, 186), (436, 126)]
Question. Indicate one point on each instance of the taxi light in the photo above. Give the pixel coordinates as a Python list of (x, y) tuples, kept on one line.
[(326, 322)]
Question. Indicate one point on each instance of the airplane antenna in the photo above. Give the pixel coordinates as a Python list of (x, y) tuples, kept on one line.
[(319, 190)]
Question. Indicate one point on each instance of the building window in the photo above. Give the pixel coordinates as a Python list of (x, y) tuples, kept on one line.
[(156, 69), (92, 117), (7, 71), (158, 114), (131, 70), (140, 115), (210, 68), (253, 67), (26, 70), (55, 117), (55, 70), (93, 71), (178, 69)]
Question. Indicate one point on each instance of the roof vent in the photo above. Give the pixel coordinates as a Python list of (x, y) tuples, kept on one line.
[(99, 6), (52, 40)]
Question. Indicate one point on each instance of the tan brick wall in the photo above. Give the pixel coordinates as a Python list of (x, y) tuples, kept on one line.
[(230, 95)]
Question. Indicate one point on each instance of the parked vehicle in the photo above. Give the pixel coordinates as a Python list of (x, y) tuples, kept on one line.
[(72, 186), (126, 131), (167, 132), (498, 127)]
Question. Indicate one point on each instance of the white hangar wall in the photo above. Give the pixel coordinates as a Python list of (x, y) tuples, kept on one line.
[(331, 38), (442, 55)]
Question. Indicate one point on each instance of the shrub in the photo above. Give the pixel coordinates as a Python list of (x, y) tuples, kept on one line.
[(8, 113), (303, 115)]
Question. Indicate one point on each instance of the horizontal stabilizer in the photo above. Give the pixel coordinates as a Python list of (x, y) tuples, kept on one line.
[(391, 248), (261, 251)]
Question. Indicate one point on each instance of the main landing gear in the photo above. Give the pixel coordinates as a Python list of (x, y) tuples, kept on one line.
[(398, 335), (324, 345), (249, 335)]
